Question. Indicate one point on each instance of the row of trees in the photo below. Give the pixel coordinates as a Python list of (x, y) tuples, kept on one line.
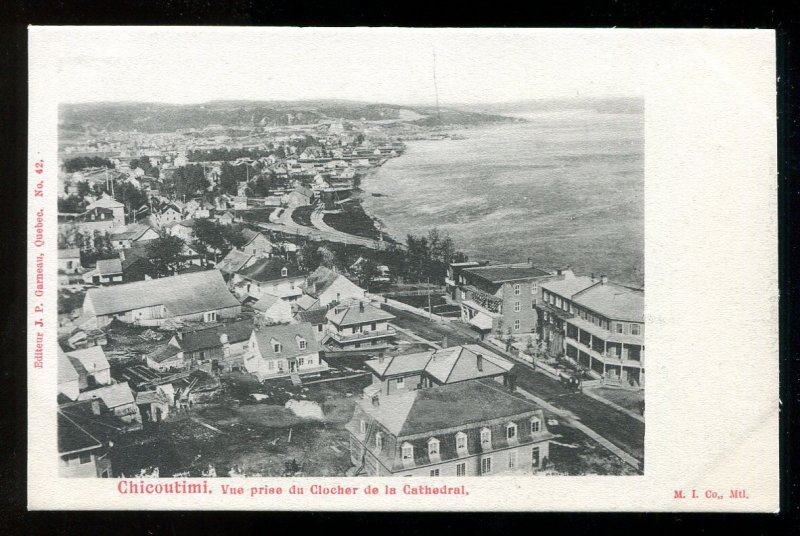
[(212, 238)]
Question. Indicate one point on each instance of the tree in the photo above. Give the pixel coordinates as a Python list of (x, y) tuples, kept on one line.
[(309, 256), (165, 253), (210, 233), (366, 272), (326, 257), (234, 236)]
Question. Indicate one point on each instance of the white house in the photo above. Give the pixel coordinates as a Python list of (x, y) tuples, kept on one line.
[(328, 287), (282, 350)]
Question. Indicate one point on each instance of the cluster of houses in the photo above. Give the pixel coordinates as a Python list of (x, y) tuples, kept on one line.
[(588, 319)]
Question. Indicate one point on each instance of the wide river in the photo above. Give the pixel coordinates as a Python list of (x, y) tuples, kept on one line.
[(564, 188)]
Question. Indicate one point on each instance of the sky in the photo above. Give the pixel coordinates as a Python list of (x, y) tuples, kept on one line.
[(192, 65)]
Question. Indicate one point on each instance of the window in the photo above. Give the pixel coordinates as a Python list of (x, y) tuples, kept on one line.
[(512, 459), (408, 451), (535, 425), (516, 325), (301, 361), (461, 469), (433, 447), (270, 365), (534, 287), (461, 441), (517, 289), (486, 437), (302, 344), (86, 457), (284, 272), (378, 441), (401, 383), (618, 327), (511, 431), (210, 316), (635, 329), (434, 472), (280, 366), (362, 426), (486, 466), (463, 295), (373, 326), (535, 457), (558, 302), (319, 328), (277, 347), (517, 306)]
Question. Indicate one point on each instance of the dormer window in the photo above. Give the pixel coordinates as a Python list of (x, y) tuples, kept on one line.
[(536, 425), (302, 344), (511, 431), (362, 426), (461, 441), (378, 441), (284, 271), (277, 347), (433, 447), (407, 452), (486, 437)]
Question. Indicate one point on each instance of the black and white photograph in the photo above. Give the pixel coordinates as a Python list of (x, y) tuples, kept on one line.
[(276, 263), (418, 281)]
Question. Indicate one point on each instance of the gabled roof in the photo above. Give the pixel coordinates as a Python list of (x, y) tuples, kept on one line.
[(287, 335), (163, 353), (265, 303), (306, 302), (131, 231), (312, 316), (106, 201), (73, 438), (265, 270), (233, 261), (66, 370), (182, 294), (448, 365), (568, 287), (92, 359), (109, 266), (201, 339), (321, 280), (251, 235), (347, 315), (69, 253), (115, 395)]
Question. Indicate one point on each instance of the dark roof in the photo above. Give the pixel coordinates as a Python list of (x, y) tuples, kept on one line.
[(441, 413), (109, 266), (503, 273), (201, 339), (264, 270), (313, 316), (448, 365), (73, 438), (163, 353)]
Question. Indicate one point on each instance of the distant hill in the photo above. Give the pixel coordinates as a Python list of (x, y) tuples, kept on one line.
[(159, 117)]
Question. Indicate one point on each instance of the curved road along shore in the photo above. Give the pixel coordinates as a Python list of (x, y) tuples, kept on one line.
[(320, 231)]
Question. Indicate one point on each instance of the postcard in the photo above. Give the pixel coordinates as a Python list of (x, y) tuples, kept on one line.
[(402, 269)]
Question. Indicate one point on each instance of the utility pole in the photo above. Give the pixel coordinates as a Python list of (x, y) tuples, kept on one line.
[(436, 87), (430, 309)]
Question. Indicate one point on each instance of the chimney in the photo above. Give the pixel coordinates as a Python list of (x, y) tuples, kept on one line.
[(376, 400), (361, 307), (96, 406), (444, 342), (592, 277), (603, 279), (480, 363), (380, 358)]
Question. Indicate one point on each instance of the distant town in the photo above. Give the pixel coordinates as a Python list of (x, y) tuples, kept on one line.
[(227, 307)]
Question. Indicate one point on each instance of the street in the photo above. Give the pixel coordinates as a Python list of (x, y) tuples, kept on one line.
[(620, 429)]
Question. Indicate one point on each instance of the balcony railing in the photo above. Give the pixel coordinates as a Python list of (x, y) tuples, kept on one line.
[(607, 357), (364, 335)]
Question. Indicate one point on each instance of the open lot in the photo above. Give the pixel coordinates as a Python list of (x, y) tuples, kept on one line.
[(244, 436)]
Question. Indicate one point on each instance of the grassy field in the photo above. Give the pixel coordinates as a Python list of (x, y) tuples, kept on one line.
[(302, 215), (353, 220)]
